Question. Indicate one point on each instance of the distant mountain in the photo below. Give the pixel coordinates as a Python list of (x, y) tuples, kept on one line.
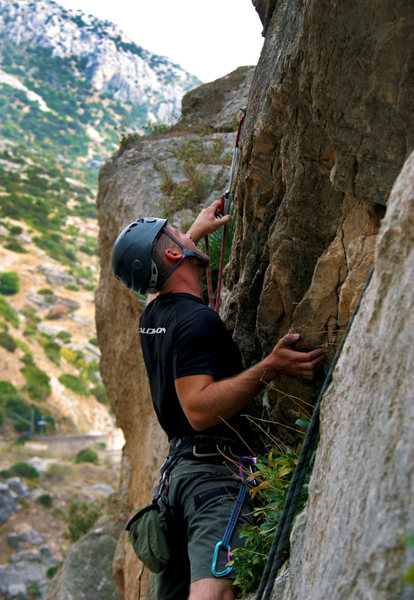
[(71, 87), (73, 81)]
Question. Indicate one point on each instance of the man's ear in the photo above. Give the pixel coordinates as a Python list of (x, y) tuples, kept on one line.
[(173, 253)]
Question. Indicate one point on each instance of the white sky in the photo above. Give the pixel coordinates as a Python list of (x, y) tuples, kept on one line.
[(208, 38)]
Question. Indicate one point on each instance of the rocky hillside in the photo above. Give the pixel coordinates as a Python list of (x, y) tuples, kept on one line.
[(327, 131), (70, 87), (101, 54)]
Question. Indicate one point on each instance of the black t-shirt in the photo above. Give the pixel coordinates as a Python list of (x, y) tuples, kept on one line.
[(181, 336)]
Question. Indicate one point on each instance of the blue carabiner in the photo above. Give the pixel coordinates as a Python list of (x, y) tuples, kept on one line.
[(213, 566)]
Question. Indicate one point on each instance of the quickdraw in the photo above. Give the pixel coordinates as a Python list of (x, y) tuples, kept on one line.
[(224, 543), (226, 200)]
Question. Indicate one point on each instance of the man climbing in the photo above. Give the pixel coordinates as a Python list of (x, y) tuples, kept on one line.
[(198, 388)]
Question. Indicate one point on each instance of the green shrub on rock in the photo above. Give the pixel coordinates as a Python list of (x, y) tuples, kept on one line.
[(87, 455), (9, 283), (80, 519), (7, 341), (23, 469)]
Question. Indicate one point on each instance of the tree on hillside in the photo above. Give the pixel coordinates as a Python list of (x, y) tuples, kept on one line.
[(9, 283)]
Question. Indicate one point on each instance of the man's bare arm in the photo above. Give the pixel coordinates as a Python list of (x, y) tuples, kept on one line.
[(207, 402)]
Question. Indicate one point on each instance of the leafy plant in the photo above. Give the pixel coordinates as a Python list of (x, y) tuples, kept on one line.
[(58, 472), (87, 455), (215, 246), (34, 590), (80, 519), (74, 383), (409, 573), (51, 349), (46, 500), (23, 469), (8, 313), (64, 336), (9, 283), (37, 382), (15, 246), (273, 476), (7, 341), (99, 391), (157, 129), (51, 571)]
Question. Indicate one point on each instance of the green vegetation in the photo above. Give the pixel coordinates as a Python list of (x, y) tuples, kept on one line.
[(273, 476), (191, 156), (215, 245), (9, 283), (74, 383), (99, 391), (7, 341), (89, 246), (37, 382), (51, 571), (81, 384), (20, 469), (408, 541), (8, 313), (80, 519), (54, 245), (157, 129), (64, 336), (58, 472), (13, 406), (46, 500), (15, 246), (34, 591), (87, 455)]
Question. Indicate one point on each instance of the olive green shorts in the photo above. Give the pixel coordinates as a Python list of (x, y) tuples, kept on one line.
[(203, 497)]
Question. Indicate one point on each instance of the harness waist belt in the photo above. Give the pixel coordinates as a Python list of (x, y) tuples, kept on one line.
[(204, 446)]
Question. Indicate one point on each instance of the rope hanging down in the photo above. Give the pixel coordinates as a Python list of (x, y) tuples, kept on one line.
[(275, 558), (226, 200)]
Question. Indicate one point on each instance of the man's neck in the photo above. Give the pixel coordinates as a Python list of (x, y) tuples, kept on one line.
[(186, 281)]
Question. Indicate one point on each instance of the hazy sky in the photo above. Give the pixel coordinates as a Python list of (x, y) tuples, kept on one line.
[(208, 38)]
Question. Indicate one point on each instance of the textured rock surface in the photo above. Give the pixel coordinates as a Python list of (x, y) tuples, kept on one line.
[(327, 130), (129, 187), (25, 574), (349, 544), (86, 573), (212, 104)]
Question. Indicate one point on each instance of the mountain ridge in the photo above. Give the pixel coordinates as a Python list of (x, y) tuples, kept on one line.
[(114, 64)]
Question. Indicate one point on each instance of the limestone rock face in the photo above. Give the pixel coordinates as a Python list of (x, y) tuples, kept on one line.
[(131, 186), (349, 542), (327, 130), (212, 104), (86, 571)]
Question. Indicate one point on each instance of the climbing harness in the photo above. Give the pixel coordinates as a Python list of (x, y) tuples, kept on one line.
[(275, 558), (226, 201), (224, 543)]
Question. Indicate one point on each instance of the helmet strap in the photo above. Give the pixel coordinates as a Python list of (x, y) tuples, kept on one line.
[(186, 254)]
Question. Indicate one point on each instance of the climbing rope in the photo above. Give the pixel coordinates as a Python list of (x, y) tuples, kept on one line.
[(226, 200), (275, 558)]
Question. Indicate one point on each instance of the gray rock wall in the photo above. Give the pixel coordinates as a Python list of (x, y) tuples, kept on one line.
[(130, 186), (328, 127), (349, 543)]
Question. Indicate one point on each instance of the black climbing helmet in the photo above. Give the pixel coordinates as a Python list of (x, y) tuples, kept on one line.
[(131, 255)]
